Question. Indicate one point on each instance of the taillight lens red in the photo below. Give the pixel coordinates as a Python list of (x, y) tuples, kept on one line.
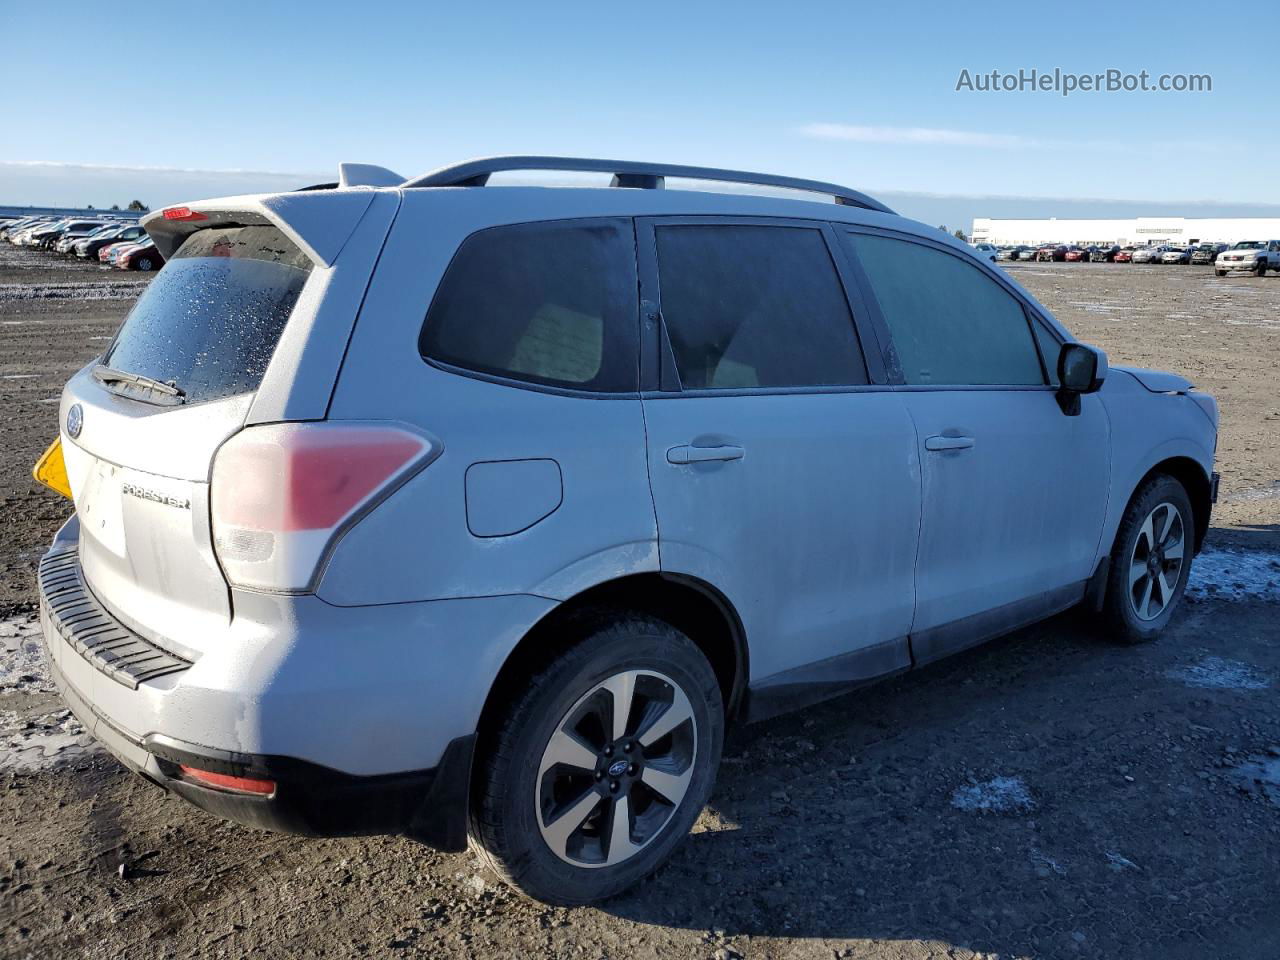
[(282, 492)]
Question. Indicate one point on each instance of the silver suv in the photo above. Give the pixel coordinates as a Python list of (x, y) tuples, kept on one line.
[(461, 511)]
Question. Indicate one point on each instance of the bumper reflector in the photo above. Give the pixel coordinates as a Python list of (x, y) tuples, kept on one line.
[(230, 784), (51, 470)]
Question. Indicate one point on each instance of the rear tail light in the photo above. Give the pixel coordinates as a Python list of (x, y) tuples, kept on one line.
[(283, 493)]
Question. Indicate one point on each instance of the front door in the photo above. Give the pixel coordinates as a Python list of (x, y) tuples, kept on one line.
[(1014, 488), (781, 476)]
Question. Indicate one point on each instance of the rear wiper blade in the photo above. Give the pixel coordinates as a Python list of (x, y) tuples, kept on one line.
[(104, 374)]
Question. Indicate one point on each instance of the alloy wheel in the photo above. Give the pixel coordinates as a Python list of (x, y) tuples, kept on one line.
[(616, 769), (1155, 565)]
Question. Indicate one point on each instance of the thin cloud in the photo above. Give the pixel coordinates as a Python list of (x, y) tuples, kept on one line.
[(58, 165), (929, 136), (938, 137)]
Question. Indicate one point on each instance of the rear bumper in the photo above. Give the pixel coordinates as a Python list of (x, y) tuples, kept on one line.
[(364, 716), (309, 799)]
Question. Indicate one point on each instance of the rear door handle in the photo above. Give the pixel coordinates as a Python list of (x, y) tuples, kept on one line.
[(690, 454), (948, 443)]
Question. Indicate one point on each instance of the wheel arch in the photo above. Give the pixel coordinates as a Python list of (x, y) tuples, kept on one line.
[(1194, 480), (690, 605)]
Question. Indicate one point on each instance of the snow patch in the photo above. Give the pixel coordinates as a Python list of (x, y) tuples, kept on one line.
[(43, 743), (1219, 673), (93, 290), (33, 744), (1235, 575), (1046, 863), (1259, 775), (22, 664), (1254, 493), (1117, 863), (997, 795)]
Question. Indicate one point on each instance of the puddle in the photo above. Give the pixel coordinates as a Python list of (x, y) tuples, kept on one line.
[(1235, 575), (997, 795), (1219, 673)]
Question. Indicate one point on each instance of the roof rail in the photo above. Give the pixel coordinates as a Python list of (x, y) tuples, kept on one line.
[(629, 173)]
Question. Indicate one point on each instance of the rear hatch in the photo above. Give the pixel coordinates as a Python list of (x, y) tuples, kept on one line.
[(178, 379)]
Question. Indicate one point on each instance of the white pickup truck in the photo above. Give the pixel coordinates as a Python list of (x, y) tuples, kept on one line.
[(1256, 256)]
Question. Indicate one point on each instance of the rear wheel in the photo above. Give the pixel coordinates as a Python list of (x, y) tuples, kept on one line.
[(599, 767), (1150, 561), (1221, 273), (145, 264)]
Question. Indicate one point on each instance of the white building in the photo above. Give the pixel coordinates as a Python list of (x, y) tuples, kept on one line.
[(1140, 230)]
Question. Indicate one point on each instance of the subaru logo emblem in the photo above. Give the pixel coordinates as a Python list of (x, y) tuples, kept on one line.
[(75, 421), (618, 768)]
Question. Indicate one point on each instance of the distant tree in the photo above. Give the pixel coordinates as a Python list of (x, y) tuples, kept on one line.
[(90, 207), (138, 205), (960, 236), (943, 228), (115, 206)]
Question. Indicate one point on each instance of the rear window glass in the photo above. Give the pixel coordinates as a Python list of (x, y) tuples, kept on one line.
[(549, 303), (210, 320)]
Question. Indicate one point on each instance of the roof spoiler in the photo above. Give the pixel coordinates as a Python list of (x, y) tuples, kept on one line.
[(319, 222)]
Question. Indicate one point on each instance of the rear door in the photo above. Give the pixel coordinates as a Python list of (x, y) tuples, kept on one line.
[(784, 471), (138, 457), (1015, 490)]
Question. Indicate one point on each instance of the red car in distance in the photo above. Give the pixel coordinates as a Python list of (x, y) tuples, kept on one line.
[(1052, 252), (1124, 255)]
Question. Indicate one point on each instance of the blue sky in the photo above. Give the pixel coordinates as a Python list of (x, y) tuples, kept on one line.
[(860, 94)]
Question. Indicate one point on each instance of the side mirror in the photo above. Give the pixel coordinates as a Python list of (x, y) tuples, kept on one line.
[(1081, 369)]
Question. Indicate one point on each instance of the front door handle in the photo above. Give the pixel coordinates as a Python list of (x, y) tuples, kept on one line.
[(690, 454), (948, 443)]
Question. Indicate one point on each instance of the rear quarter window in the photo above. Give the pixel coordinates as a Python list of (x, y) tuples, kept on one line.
[(211, 319), (550, 303)]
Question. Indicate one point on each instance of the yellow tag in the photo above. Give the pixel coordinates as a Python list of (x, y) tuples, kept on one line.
[(51, 470)]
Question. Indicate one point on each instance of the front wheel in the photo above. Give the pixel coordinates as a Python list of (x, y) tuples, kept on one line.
[(1261, 268), (1150, 561), (601, 763)]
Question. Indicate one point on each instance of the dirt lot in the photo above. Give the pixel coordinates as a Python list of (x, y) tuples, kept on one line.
[(1047, 795)]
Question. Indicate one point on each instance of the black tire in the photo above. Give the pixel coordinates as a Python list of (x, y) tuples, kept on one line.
[(1261, 268), (506, 822), (145, 264), (1119, 612), (1221, 273)]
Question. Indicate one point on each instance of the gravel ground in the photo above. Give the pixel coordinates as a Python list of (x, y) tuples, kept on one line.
[(1047, 795)]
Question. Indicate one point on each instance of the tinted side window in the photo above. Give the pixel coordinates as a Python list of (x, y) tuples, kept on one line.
[(551, 303), (755, 306), (951, 324)]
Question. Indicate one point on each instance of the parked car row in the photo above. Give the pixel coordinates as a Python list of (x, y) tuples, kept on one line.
[(112, 241), (1253, 256)]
